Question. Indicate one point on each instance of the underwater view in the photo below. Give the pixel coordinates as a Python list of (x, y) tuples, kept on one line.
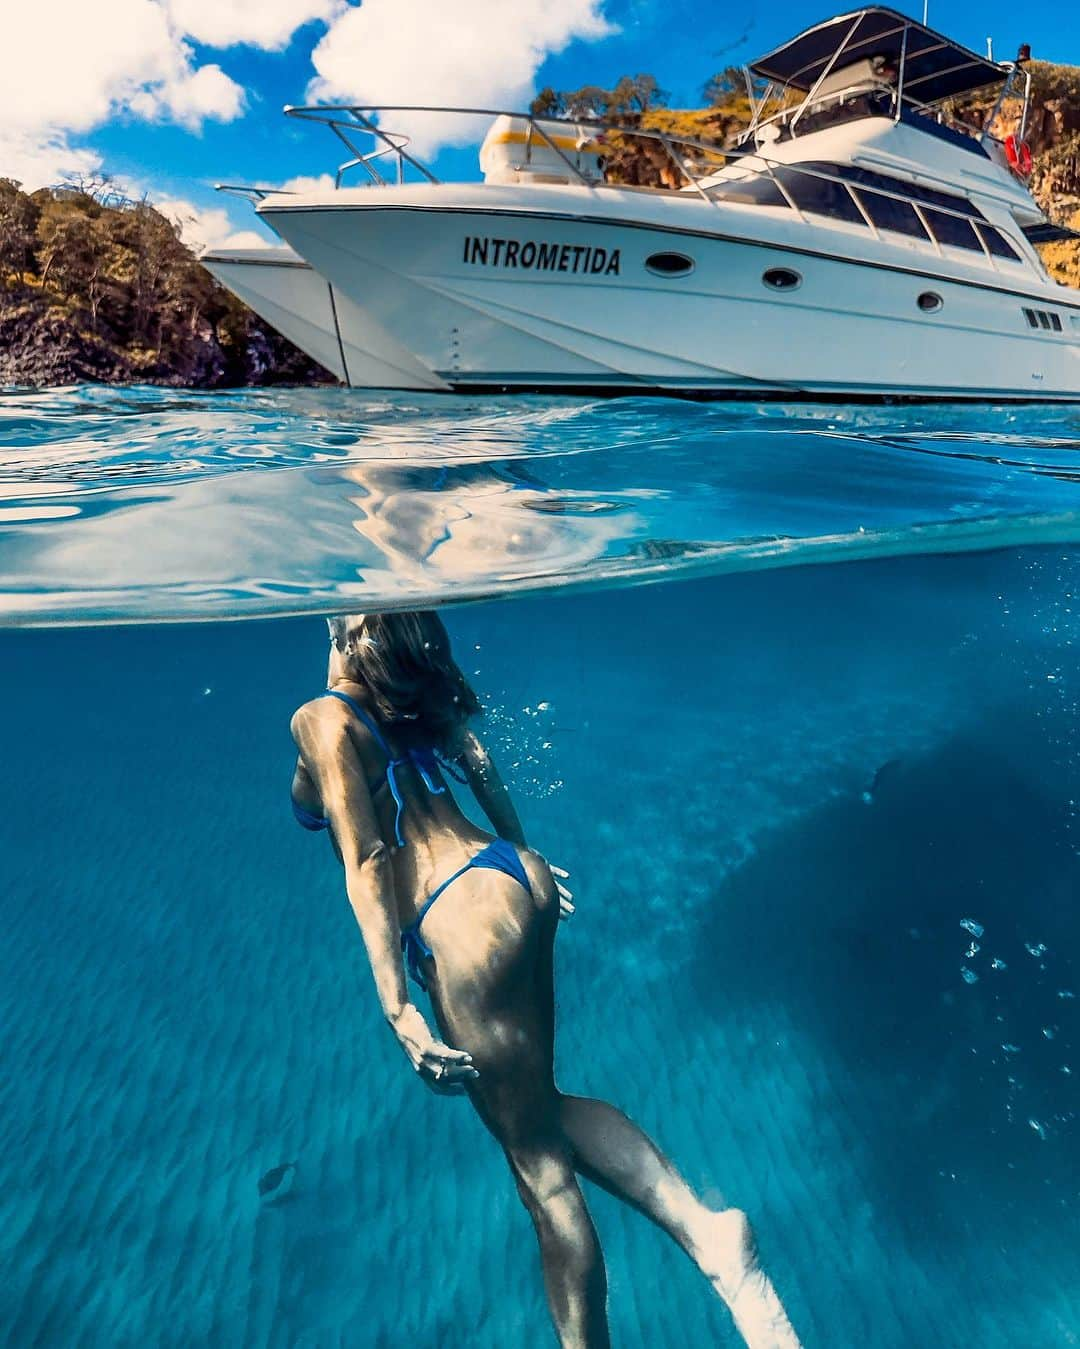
[(790, 691)]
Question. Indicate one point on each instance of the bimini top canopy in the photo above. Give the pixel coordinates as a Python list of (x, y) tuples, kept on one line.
[(934, 67)]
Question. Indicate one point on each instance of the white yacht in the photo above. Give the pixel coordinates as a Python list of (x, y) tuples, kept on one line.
[(858, 243)]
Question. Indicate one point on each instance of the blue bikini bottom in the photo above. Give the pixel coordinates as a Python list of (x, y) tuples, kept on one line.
[(498, 856)]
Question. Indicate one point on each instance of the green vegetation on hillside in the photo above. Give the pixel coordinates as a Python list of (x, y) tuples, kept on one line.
[(93, 287)]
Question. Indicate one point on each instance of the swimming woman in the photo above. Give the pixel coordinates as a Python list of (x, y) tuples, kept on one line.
[(473, 918)]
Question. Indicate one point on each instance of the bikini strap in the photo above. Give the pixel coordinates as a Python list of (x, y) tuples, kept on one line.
[(423, 760)]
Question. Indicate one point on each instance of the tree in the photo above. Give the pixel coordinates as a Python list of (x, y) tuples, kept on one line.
[(18, 224), (637, 94), (632, 96), (724, 84)]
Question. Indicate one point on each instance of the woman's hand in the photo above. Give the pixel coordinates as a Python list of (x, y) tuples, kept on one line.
[(566, 896), (444, 1070)]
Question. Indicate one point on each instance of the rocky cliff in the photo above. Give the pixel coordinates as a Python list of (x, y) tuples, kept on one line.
[(100, 290), (1053, 132)]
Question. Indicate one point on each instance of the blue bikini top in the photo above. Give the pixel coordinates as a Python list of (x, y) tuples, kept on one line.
[(423, 759)]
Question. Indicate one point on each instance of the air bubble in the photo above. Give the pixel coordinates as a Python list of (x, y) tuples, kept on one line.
[(997, 964), (968, 976), (1035, 949), (970, 925)]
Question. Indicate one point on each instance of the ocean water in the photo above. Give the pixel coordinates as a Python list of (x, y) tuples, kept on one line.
[(817, 786)]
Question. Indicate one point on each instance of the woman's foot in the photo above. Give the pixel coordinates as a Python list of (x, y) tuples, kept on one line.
[(725, 1253)]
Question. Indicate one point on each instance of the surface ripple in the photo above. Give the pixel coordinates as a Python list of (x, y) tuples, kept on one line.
[(151, 504)]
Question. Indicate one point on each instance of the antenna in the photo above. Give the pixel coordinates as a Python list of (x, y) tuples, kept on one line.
[(989, 48), (925, 11)]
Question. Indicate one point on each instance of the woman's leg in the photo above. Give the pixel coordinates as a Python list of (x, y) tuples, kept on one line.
[(612, 1151), (493, 994), (484, 994), (609, 1149), (574, 1275)]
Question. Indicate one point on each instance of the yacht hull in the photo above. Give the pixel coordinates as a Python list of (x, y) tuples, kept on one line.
[(589, 313), (292, 297)]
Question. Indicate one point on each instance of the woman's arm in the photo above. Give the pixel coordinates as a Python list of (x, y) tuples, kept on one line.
[(322, 737), (491, 792)]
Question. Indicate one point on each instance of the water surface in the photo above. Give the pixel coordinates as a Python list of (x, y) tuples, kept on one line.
[(821, 822)]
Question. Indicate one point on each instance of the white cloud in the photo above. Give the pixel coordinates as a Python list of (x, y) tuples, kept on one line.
[(40, 161), (73, 64), (322, 182), (473, 53), (207, 93), (269, 24), (78, 62), (207, 226)]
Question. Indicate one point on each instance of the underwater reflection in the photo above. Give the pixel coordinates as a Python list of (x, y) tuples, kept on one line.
[(482, 523)]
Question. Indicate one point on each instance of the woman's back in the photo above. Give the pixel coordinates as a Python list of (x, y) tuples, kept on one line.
[(419, 821)]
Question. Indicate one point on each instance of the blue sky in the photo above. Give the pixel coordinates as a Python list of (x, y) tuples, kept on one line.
[(195, 95)]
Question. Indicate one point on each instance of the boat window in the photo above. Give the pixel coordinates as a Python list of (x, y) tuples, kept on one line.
[(883, 182), (930, 302), (760, 190), (820, 196), (1041, 318), (889, 214), (781, 278), (930, 196), (951, 230), (997, 242), (669, 264)]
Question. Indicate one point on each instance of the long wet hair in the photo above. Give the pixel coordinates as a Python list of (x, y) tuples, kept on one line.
[(412, 680)]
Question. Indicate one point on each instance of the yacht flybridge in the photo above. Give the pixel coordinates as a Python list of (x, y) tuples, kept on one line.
[(858, 241)]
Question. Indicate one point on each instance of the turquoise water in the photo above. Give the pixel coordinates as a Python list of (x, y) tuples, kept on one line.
[(794, 800)]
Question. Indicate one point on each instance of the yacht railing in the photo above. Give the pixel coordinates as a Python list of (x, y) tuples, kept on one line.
[(789, 116), (250, 191), (1005, 92), (349, 121)]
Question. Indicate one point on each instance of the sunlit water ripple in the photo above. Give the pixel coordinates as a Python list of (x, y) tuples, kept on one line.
[(143, 503)]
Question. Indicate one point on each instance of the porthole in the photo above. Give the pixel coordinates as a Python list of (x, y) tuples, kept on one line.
[(781, 278), (669, 264), (930, 302)]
